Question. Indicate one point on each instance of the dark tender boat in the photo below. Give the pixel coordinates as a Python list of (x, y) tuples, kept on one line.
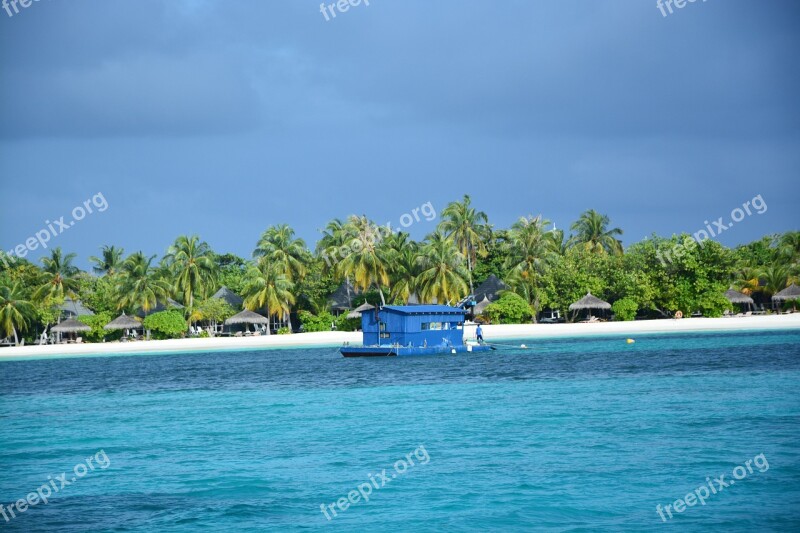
[(412, 330)]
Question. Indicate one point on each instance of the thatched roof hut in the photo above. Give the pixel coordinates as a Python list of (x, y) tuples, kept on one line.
[(356, 313), (230, 297), (490, 289), (161, 306), (792, 292), (341, 299), (589, 302), (736, 297), (247, 317), (123, 322), (73, 308), (70, 326)]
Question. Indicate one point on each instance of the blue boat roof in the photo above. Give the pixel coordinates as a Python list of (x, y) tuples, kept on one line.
[(425, 309)]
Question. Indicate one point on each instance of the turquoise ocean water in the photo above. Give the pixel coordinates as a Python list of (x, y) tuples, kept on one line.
[(570, 435)]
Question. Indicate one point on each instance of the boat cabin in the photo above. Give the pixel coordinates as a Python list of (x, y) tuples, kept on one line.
[(413, 325)]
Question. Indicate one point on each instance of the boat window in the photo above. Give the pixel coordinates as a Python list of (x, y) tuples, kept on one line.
[(382, 326), (384, 335), (436, 325), (426, 326)]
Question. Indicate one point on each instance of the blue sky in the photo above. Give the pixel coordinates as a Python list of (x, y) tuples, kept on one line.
[(222, 118)]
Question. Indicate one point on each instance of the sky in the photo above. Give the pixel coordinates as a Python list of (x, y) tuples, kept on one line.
[(221, 118)]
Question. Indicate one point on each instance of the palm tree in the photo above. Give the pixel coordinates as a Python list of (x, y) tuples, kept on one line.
[(59, 277), (403, 256), (367, 259), (776, 278), (789, 249), (191, 263), (289, 256), (591, 231), (14, 310), (334, 236), (529, 246), (746, 280), (468, 229), (109, 261), (442, 270), (557, 244), (138, 285), (266, 286)]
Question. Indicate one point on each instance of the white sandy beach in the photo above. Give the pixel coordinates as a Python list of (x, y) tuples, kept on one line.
[(337, 338)]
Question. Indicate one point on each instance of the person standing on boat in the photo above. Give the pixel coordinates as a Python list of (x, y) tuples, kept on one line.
[(479, 334)]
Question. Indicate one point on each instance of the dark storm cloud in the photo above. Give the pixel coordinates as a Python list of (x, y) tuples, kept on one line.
[(270, 114)]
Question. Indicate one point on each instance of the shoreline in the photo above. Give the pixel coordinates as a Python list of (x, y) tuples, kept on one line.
[(337, 338)]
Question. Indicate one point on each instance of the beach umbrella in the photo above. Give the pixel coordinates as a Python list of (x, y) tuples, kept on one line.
[(70, 326), (247, 317), (356, 313), (792, 292), (481, 307), (589, 302), (123, 322), (736, 297)]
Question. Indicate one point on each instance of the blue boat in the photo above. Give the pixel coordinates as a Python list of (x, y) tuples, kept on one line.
[(412, 330)]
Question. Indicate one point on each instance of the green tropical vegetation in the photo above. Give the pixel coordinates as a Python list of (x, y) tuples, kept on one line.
[(542, 267)]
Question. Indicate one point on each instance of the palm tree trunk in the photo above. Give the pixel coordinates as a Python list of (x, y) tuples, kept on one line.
[(269, 322), (191, 304), (16, 340), (289, 318), (469, 268), (383, 300)]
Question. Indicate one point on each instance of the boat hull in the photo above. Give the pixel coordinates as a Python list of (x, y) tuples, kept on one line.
[(393, 351)]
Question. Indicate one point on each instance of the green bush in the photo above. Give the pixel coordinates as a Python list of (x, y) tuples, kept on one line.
[(347, 324), (96, 322), (311, 322), (625, 309), (166, 324), (511, 308), (215, 310), (284, 331)]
